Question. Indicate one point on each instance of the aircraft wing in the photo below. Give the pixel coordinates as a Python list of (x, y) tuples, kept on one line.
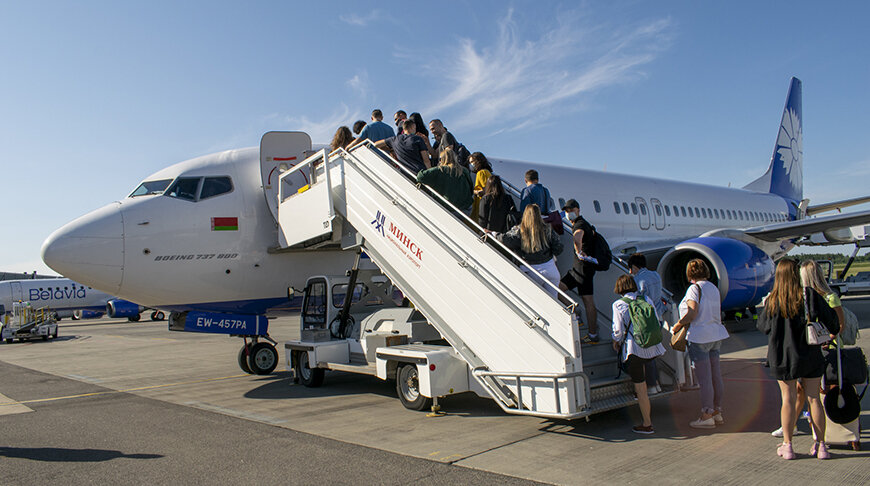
[(804, 227), (836, 205)]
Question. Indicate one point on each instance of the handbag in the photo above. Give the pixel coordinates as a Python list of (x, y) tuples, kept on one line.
[(817, 333), (679, 340)]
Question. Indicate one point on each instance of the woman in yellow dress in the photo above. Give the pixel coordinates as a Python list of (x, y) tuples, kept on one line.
[(483, 170)]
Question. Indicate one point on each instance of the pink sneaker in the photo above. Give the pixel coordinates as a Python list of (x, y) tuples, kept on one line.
[(785, 451), (820, 450)]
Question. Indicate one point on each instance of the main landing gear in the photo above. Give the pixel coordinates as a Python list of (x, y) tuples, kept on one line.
[(257, 357), (158, 316)]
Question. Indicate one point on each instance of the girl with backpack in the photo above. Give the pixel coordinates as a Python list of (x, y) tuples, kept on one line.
[(639, 338)]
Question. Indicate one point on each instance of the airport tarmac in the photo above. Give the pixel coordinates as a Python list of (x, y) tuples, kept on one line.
[(125, 402)]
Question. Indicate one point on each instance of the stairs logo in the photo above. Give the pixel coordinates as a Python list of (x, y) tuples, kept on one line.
[(379, 221)]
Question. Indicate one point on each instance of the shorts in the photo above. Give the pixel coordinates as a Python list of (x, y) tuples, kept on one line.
[(635, 368), (582, 284)]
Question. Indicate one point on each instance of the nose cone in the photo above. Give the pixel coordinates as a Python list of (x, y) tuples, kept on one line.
[(90, 249)]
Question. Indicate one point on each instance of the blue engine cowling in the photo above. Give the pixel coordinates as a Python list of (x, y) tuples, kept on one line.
[(743, 273), (122, 308), (87, 314)]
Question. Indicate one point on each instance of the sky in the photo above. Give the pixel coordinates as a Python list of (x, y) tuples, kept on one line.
[(97, 95)]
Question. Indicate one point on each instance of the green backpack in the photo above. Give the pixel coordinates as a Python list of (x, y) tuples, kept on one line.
[(647, 329)]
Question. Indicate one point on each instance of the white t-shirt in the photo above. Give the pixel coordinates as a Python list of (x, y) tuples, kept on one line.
[(707, 326)]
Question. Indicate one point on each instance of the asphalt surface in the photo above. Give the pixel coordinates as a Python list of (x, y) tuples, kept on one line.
[(119, 438)]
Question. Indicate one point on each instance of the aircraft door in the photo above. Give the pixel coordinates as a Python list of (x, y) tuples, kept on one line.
[(16, 292), (642, 212), (280, 151), (658, 213)]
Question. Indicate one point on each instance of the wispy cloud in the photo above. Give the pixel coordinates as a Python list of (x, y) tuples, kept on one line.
[(516, 81), (359, 83), (323, 129), (361, 20)]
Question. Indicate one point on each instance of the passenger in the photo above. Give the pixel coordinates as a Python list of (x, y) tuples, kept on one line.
[(482, 170), (535, 193), (635, 356), (495, 207), (444, 139), (375, 131), (538, 245), (811, 278), (341, 139), (399, 117), (358, 126), (409, 148), (424, 134), (582, 273), (701, 312), (450, 180), (649, 284)]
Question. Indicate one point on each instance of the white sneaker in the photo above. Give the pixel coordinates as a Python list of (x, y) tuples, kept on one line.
[(653, 390), (719, 419), (703, 423), (778, 432)]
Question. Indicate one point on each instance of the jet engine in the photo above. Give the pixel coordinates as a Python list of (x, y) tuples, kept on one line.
[(743, 273), (122, 308)]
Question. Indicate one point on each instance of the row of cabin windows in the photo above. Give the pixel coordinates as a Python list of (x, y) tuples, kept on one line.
[(694, 212)]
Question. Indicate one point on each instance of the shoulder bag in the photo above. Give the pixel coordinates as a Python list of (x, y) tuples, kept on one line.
[(817, 333), (679, 340)]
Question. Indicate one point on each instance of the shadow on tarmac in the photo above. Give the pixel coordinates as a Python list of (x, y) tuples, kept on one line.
[(56, 454)]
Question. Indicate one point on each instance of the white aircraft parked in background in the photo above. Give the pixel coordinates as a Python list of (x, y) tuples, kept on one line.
[(68, 299), (205, 236)]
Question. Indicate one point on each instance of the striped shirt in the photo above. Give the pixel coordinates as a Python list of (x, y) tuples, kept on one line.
[(621, 320)]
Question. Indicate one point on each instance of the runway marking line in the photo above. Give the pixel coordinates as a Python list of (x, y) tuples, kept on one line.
[(128, 390)]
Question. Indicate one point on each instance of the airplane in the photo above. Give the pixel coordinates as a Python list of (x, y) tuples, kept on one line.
[(204, 236), (67, 298)]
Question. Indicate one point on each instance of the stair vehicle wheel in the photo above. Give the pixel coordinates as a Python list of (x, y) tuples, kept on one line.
[(54, 334), (263, 358), (408, 389), (243, 358), (45, 338), (310, 377), (134, 318), (9, 341)]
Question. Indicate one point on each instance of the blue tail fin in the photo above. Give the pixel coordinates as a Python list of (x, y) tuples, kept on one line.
[(785, 174)]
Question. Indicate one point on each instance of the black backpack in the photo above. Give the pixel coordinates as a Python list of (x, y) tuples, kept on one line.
[(601, 252), (462, 154)]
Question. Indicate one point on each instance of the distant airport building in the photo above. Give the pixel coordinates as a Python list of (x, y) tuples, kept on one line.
[(23, 276)]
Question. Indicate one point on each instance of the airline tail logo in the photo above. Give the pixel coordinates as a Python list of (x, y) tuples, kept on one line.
[(787, 174)]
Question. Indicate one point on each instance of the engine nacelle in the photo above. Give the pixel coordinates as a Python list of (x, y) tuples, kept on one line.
[(122, 308), (743, 273), (87, 314)]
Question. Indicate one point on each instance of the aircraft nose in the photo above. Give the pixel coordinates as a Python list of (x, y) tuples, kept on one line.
[(90, 249)]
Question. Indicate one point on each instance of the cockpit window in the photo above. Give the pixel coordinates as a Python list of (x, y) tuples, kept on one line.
[(215, 186), (148, 188), (184, 188)]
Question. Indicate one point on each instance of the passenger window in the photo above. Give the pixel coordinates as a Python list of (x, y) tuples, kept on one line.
[(215, 186), (597, 206), (643, 209), (697, 212), (148, 188), (667, 210), (716, 212), (658, 210), (683, 211), (709, 213), (616, 207), (625, 207), (633, 208), (691, 214), (184, 188), (677, 210)]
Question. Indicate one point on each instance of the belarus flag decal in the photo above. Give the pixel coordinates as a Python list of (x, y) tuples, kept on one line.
[(224, 224)]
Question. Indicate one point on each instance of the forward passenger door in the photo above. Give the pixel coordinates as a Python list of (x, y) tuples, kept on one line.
[(642, 213), (658, 213)]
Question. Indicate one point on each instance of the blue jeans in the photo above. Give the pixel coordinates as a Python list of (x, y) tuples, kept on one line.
[(705, 361)]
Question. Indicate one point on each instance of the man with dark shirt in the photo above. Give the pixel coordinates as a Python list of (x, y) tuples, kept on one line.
[(410, 149), (581, 274), (443, 138), (400, 118)]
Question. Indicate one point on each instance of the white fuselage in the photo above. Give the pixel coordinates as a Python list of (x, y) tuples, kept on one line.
[(165, 252), (55, 293)]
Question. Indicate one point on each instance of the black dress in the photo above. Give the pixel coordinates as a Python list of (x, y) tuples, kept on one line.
[(494, 212), (788, 352)]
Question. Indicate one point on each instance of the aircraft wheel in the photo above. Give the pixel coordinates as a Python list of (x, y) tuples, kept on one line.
[(45, 338), (309, 377), (134, 318), (263, 358), (54, 334), (408, 389), (243, 358), (158, 316)]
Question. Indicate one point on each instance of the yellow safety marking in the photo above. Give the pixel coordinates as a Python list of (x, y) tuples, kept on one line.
[(303, 189), (128, 390)]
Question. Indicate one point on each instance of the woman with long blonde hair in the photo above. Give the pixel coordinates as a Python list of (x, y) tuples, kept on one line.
[(538, 245), (449, 179), (787, 311)]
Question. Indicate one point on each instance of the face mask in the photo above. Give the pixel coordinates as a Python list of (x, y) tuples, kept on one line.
[(572, 216)]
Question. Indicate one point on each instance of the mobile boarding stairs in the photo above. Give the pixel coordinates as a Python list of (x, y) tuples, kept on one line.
[(499, 333), (25, 322)]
